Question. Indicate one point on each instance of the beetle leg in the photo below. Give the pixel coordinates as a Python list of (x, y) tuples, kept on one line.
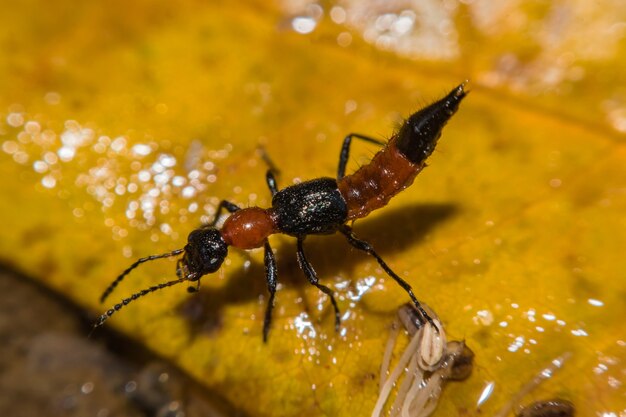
[(270, 277), (271, 181), (224, 204), (312, 277), (367, 248), (345, 151)]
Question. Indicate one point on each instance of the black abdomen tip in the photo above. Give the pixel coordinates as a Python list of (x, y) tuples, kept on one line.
[(418, 135)]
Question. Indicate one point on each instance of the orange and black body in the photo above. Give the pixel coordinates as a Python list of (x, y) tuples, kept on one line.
[(319, 206)]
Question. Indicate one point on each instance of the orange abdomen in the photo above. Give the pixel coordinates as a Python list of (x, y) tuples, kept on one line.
[(373, 185)]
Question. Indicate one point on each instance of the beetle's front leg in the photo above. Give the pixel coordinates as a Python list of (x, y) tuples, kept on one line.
[(271, 278)]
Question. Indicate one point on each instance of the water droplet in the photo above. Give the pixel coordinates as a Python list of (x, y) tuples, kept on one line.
[(303, 24)]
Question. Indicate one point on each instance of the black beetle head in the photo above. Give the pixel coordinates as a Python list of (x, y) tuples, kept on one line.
[(204, 253)]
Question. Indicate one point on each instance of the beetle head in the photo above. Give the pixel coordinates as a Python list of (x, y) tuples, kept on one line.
[(204, 253)]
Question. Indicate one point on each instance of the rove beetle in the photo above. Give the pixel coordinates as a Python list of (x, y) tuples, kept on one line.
[(319, 206)]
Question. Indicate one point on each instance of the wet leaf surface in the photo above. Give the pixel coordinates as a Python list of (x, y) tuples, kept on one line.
[(124, 125)]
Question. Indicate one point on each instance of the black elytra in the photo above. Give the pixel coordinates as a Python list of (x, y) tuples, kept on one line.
[(312, 207)]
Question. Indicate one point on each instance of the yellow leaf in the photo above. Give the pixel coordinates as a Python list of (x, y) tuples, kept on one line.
[(124, 124)]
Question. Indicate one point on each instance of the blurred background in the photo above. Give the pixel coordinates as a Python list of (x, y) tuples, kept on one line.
[(123, 124)]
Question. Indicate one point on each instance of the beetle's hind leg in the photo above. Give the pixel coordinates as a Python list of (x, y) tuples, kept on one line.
[(367, 248), (312, 277), (345, 151)]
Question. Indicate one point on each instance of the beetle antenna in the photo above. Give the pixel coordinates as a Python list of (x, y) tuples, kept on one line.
[(133, 297), (119, 279)]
